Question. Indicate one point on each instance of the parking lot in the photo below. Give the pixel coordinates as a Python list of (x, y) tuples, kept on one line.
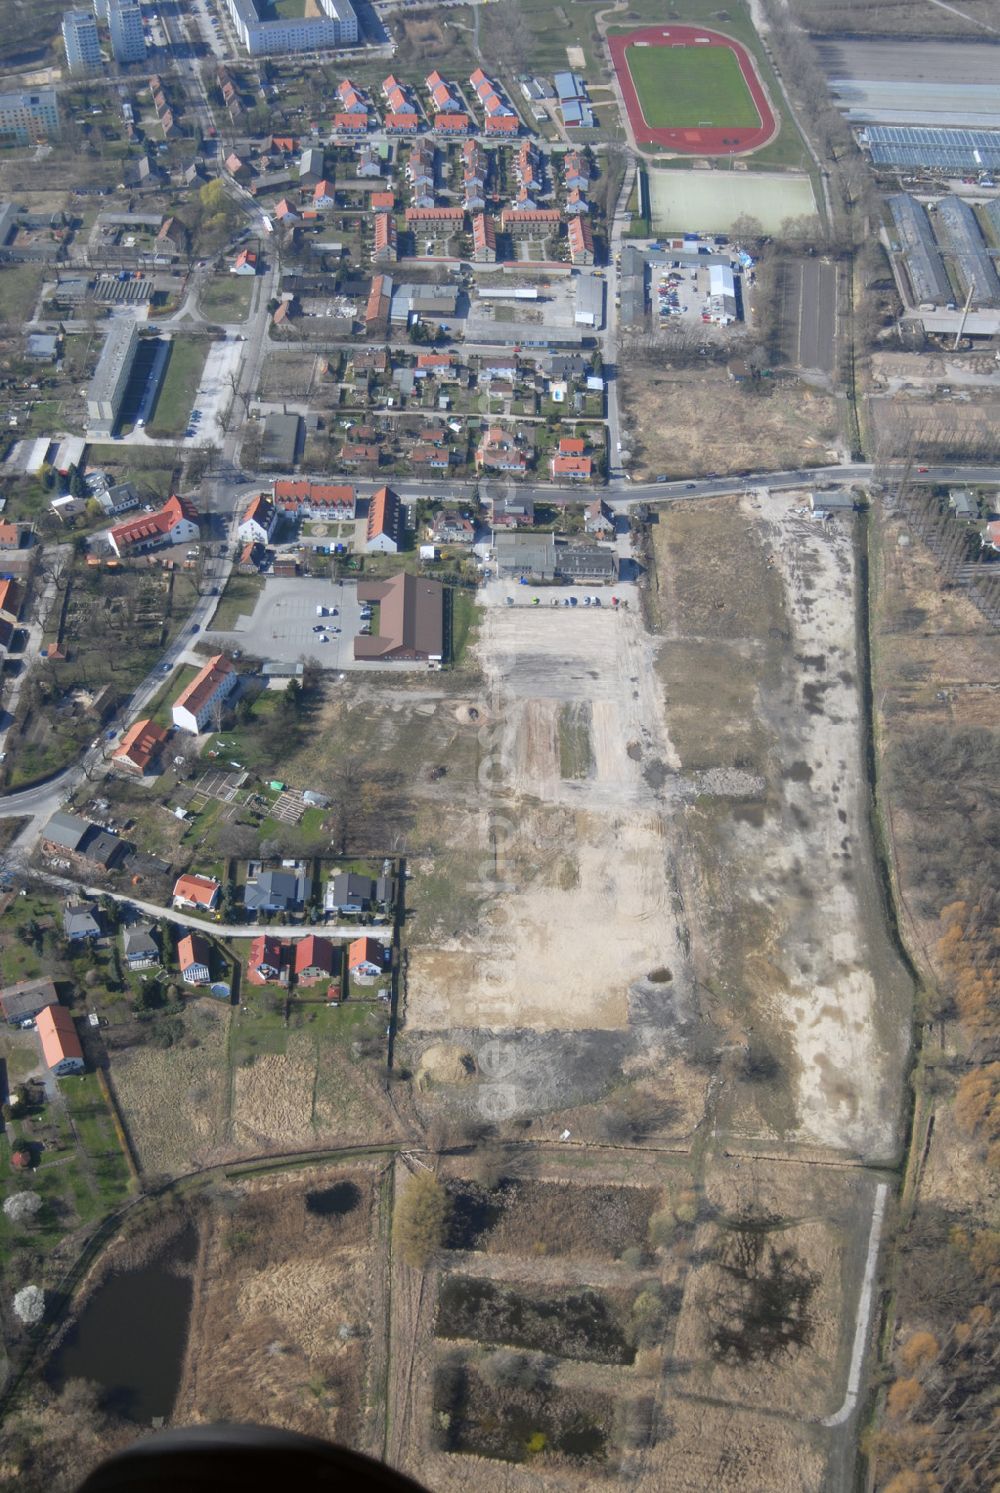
[(215, 393), (282, 626)]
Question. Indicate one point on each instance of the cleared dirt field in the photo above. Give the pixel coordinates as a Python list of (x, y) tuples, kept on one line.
[(685, 422), (174, 1100), (569, 856), (760, 668), (922, 425)]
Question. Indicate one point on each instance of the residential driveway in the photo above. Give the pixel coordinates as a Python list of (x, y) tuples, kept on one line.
[(281, 628)]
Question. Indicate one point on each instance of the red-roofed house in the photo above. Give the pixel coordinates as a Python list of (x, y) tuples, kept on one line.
[(351, 124), (308, 499), (385, 518), (245, 263), (201, 892), (451, 124), (384, 249), (572, 446), (453, 217), (315, 959), (11, 600), (139, 747), (323, 194), (403, 122), (267, 961), (502, 124), (194, 707), (497, 450), (382, 202), (484, 240), (581, 241), (430, 362), (285, 212), (194, 959), (175, 523), (577, 468), (60, 1044), (259, 521), (351, 101), (365, 959), (537, 222)]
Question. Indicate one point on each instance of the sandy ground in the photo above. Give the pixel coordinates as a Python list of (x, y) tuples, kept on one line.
[(788, 904), (581, 904), (831, 991)]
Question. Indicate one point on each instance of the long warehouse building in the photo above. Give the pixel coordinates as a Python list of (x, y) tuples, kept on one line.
[(924, 264), (959, 233)]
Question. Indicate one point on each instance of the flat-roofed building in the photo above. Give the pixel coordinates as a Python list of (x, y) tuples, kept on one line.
[(125, 23), (335, 26), (83, 47), (28, 116), (111, 376)]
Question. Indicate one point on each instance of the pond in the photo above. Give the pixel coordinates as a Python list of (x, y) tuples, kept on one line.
[(130, 1336)]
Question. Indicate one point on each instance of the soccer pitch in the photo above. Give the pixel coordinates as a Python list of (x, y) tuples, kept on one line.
[(686, 86)]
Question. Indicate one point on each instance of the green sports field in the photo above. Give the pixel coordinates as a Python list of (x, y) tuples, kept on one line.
[(683, 87)]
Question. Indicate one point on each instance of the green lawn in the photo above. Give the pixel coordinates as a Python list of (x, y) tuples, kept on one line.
[(238, 599), (180, 386), (689, 86), (227, 297)]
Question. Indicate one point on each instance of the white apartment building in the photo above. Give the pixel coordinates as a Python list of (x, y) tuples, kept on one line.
[(83, 47), (28, 117), (196, 705), (125, 22), (336, 27)]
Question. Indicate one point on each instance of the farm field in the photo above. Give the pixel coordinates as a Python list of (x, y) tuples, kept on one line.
[(691, 86), (711, 202)]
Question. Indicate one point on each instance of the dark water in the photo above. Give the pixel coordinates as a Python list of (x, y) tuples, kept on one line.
[(130, 1337), (335, 1201)]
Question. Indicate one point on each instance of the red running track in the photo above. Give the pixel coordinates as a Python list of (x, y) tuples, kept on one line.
[(720, 141)]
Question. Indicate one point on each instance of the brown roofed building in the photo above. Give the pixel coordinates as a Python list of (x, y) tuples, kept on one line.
[(384, 250), (484, 239), (60, 1044), (411, 620), (191, 890), (385, 522), (314, 499), (581, 241), (537, 222), (192, 710), (140, 746)]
